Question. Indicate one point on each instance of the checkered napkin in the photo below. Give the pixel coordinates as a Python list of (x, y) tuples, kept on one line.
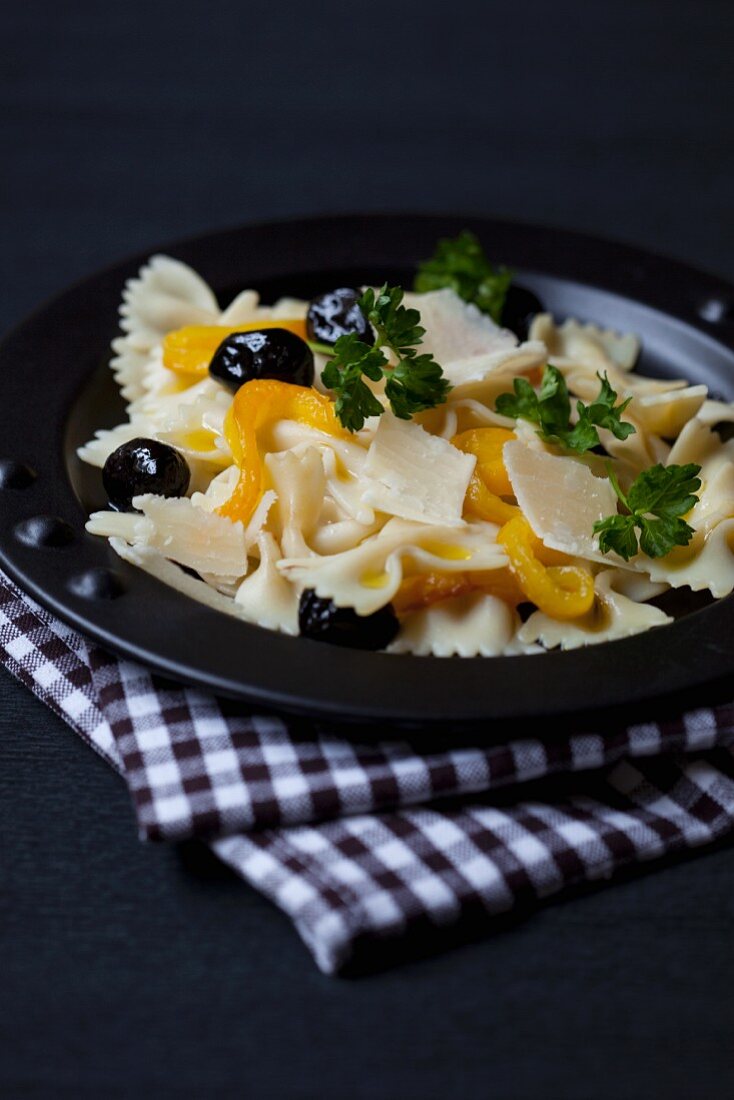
[(362, 844)]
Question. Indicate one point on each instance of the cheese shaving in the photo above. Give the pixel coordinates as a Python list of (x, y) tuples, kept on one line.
[(560, 498), (414, 475)]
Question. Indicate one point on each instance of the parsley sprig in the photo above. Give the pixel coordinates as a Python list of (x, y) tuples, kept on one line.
[(655, 503), (550, 410), (460, 263), (415, 382)]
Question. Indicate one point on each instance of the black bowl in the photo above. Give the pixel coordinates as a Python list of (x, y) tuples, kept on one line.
[(56, 389)]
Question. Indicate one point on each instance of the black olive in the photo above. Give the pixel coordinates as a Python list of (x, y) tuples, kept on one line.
[(265, 353), (144, 466), (521, 305), (323, 621), (336, 314)]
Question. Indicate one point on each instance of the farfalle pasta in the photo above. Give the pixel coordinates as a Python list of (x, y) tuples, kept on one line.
[(507, 517)]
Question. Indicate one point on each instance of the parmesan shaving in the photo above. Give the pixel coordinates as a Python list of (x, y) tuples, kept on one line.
[(560, 498), (466, 342), (190, 536), (414, 475)]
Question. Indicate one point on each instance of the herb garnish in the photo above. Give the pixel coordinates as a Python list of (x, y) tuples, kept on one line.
[(460, 263), (414, 383), (550, 409), (655, 501)]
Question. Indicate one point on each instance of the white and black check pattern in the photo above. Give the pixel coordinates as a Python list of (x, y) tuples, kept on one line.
[(339, 835), (194, 767)]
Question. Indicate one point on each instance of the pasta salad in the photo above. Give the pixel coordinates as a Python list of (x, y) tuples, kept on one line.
[(421, 471)]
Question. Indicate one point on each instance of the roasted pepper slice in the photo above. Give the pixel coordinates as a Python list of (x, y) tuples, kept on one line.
[(489, 482), (486, 444), (256, 404), (189, 350), (423, 589), (562, 592), (483, 504)]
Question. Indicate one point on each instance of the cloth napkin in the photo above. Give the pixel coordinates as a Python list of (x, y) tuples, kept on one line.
[(374, 848)]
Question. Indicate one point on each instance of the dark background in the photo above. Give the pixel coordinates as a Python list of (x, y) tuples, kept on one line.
[(151, 971)]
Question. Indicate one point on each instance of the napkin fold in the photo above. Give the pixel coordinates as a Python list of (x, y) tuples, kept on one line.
[(362, 844)]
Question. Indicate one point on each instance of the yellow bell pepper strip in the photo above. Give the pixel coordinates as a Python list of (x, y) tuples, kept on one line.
[(423, 589), (547, 556), (562, 592), (189, 350), (486, 445), (489, 482), (481, 503), (256, 404)]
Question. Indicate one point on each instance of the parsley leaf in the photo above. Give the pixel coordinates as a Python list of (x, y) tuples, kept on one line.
[(673, 494), (605, 414), (659, 536), (583, 436), (656, 502), (550, 409), (414, 383), (397, 327), (355, 401), (460, 263), (617, 533), (523, 404), (554, 405)]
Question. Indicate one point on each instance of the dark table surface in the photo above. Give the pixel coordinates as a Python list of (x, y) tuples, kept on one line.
[(132, 970)]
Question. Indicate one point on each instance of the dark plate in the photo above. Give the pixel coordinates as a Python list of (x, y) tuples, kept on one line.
[(55, 390)]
